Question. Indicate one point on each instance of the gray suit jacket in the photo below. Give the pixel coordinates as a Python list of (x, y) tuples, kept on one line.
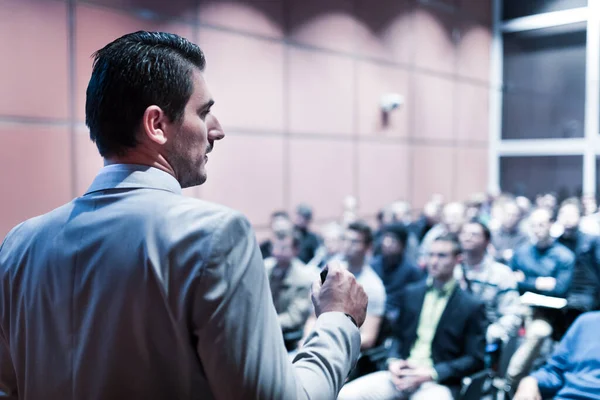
[(134, 291)]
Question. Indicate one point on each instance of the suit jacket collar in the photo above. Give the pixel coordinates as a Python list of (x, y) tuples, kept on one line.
[(133, 176), (420, 299)]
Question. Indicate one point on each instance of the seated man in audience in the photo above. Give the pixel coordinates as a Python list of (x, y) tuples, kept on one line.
[(490, 281), (508, 236), (355, 248), (585, 286), (399, 212), (395, 270), (544, 267), (453, 218), (332, 245), (309, 241), (573, 371), (281, 225), (440, 333), (357, 240), (290, 282)]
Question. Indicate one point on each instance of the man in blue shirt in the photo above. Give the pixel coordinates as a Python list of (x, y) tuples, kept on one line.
[(545, 267), (573, 371)]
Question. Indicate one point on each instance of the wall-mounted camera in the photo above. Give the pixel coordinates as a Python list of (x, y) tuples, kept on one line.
[(388, 103)]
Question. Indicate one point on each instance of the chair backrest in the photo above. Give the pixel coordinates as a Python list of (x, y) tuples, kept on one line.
[(476, 386), (508, 349)]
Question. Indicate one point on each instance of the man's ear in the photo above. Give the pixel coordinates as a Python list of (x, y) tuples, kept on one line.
[(154, 122)]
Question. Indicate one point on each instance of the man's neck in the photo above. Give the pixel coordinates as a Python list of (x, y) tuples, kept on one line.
[(544, 244), (440, 282), (474, 258), (143, 156), (356, 266)]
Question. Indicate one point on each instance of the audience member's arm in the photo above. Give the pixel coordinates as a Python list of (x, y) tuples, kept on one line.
[(509, 307), (528, 390), (239, 338), (550, 378), (297, 312), (474, 342), (369, 332), (563, 276)]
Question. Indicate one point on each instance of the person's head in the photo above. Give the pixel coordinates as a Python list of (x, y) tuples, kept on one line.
[(590, 206), (474, 205), (432, 211), (510, 215), (285, 248), (281, 224), (474, 237), (147, 102), (524, 205), (332, 238), (357, 241), (304, 216), (393, 240), (569, 214), (444, 255), (401, 211), (540, 222), (453, 217)]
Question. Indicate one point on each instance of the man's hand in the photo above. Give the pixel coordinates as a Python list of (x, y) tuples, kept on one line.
[(411, 378), (340, 293), (528, 390), (545, 283)]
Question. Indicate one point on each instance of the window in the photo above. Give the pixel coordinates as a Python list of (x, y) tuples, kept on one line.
[(522, 8), (544, 83), (532, 175)]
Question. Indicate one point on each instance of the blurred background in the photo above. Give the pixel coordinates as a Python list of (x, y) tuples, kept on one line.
[(340, 104)]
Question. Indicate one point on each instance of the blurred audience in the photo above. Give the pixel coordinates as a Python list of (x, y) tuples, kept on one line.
[(440, 336), (433, 320), (290, 281)]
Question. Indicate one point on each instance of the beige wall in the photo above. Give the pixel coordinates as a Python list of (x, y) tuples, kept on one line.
[(297, 85)]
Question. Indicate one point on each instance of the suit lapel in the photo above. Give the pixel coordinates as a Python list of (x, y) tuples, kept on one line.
[(447, 314), (416, 309)]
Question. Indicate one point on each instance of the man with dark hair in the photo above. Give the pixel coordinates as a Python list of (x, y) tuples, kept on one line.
[(440, 336), (290, 282), (281, 226), (508, 236), (357, 241), (309, 241), (134, 291), (491, 282), (394, 269)]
